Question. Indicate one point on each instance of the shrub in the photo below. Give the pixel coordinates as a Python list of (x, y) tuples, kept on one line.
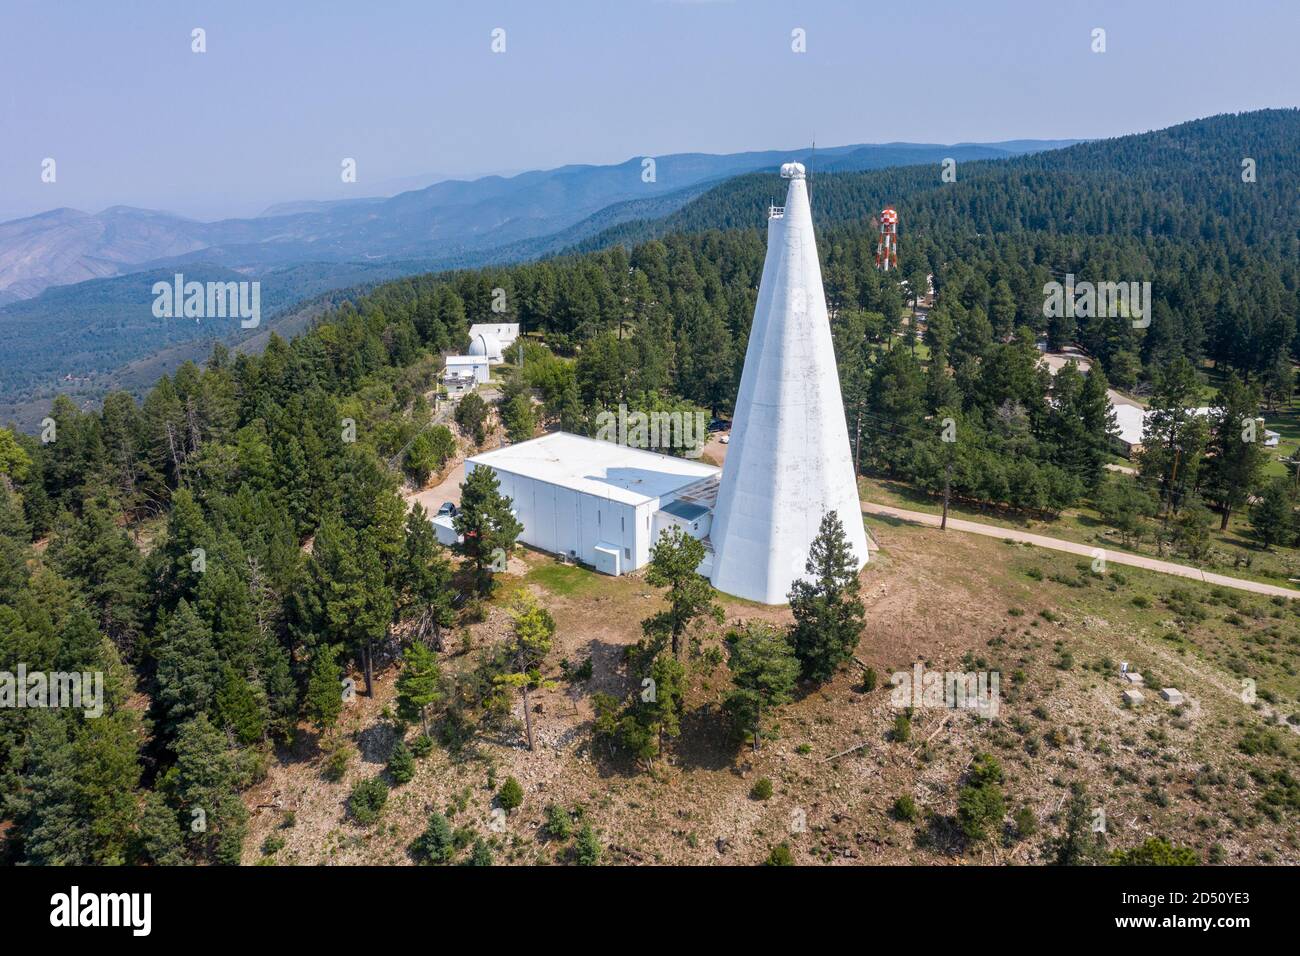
[(904, 809), (586, 847), (1255, 742), (1026, 822), (902, 729), (985, 769), (979, 808), (558, 822), (401, 765), (869, 679), (336, 764), (435, 844), (779, 856), (580, 673), (481, 855), (367, 800), (511, 795), (979, 804), (421, 746), (272, 844), (762, 789), (1155, 852)]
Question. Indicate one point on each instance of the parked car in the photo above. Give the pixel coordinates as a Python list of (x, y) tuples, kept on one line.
[(449, 509), (718, 425), (725, 439)]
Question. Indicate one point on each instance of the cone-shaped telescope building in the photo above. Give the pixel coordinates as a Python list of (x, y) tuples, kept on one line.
[(788, 462)]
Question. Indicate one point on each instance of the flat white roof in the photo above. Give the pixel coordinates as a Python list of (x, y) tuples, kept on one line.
[(1129, 420), (628, 475), (494, 328)]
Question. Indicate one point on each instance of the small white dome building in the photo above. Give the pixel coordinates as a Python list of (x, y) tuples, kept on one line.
[(491, 340), (486, 345)]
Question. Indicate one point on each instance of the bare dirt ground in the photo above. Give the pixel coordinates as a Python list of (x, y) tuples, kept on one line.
[(963, 603)]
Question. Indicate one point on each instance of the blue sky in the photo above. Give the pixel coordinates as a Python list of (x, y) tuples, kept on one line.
[(286, 90)]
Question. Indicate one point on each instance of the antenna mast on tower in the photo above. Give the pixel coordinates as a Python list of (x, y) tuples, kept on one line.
[(887, 248)]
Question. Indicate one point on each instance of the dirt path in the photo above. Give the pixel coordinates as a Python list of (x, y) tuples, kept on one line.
[(1074, 547)]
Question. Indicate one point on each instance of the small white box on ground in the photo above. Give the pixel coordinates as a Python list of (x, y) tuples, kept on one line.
[(1172, 694), (1132, 697)]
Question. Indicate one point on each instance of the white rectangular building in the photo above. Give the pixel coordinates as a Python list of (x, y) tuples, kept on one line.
[(593, 501), (459, 366)]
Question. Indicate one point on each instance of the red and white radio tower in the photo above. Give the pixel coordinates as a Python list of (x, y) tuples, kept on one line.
[(887, 250)]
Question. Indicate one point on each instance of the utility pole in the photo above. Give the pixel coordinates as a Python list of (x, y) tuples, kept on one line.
[(857, 448), (947, 486)]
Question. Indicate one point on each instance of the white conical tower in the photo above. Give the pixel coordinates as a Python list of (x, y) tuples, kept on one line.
[(788, 462)]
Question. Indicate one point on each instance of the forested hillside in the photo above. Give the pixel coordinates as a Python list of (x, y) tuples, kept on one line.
[(91, 330), (225, 548)]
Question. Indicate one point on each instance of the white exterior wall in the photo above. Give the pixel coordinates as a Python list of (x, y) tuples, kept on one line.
[(697, 528), (470, 363), (788, 462), (558, 519)]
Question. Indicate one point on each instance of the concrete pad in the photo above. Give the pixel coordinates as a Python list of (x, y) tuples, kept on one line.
[(1132, 697), (1172, 694), (1133, 677)]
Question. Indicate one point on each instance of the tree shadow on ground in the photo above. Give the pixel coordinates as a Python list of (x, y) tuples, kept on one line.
[(707, 741), (375, 742)]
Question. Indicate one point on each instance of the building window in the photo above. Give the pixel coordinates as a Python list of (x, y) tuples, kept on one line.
[(627, 553)]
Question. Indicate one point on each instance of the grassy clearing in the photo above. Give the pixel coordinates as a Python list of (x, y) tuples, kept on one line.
[(566, 580)]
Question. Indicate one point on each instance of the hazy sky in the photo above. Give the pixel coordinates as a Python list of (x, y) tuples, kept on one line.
[(286, 90)]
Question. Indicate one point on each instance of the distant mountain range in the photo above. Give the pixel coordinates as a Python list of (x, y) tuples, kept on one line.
[(439, 222), (75, 288)]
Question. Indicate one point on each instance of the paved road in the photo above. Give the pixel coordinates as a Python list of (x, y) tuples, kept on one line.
[(1073, 547)]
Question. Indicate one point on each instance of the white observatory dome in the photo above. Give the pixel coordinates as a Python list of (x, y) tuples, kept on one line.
[(489, 346), (792, 171)]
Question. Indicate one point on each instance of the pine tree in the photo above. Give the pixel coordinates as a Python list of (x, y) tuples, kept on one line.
[(487, 525), (238, 708), (586, 846), (828, 614), (424, 591), (764, 671), (96, 554), (437, 843), (518, 418), (203, 784), (401, 765), (533, 630), (471, 416), (1173, 437), (1272, 516), (159, 840), (1077, 844), (673, 563), (1235, 453), (188, 667), (323, 701), (419, 685)]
